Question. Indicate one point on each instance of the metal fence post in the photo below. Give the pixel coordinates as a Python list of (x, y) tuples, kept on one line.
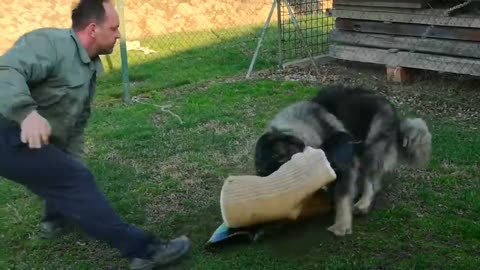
[(280, 34), (262, 37), (123, 52)]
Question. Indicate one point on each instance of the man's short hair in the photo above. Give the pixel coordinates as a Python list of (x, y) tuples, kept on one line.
[(88, 11)]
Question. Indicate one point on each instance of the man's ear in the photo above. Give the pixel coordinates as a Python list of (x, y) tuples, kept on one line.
[(91, 29)]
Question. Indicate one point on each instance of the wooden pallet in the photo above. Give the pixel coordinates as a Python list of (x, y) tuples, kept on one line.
[(393, 58), (404, 35), (409, 29), (449, 47), (383, 3), (400, 15)]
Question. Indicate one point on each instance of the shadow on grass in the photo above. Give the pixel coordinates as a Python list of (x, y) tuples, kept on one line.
[(182, 59)]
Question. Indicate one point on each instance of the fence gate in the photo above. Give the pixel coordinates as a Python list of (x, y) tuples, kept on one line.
[(304, 26)]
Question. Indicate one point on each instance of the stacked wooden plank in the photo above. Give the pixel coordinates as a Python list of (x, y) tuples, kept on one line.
[(406, 33)]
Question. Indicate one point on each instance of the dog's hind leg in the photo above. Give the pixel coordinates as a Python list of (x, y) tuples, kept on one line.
[(371, 180), (380, 158), (379, 155)]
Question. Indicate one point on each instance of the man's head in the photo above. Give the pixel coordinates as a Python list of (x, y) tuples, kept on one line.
[(96, 23)]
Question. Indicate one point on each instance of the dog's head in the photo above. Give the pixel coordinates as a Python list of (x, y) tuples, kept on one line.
[(273, 149)]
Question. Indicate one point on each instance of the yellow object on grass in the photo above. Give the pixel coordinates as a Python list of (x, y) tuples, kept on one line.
[(250, 200)]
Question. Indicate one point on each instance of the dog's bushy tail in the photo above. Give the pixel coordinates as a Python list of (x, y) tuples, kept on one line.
[(415, 142)]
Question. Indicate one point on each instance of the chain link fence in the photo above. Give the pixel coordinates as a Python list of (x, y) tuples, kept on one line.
[(229, 34), (437, 35), (304, 28), (160, 29), (157, 29)]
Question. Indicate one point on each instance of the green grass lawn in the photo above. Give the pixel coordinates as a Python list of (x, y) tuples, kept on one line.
[(166, 175)]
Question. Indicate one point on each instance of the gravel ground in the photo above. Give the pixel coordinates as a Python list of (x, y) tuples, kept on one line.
[(447, 96)]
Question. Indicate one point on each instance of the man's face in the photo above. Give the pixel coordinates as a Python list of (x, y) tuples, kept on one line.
[(107, 33)]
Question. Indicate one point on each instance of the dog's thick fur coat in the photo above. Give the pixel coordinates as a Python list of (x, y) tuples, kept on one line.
[(362, 136)]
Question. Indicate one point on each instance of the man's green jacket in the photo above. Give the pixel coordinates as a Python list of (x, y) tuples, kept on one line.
[(49, 70)]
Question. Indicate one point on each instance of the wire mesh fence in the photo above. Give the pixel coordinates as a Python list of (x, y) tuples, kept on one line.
[(160, 29), (304, 28), (225, 35), (155, 29)]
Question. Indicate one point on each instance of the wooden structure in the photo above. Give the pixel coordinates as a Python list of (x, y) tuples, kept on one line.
[(436, 35)]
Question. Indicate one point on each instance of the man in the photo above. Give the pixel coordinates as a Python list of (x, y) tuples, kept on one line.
[(47, 81)]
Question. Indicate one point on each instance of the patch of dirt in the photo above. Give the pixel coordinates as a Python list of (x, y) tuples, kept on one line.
[(217, 127), (201, 86), (402, 186), (449, 96)]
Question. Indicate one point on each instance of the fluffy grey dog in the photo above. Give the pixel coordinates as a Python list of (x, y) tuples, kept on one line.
[(362, 135)]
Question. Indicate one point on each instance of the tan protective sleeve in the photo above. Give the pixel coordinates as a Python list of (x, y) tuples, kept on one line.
[(248, 200)]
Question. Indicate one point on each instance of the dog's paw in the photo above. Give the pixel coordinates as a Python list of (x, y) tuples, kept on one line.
[(362, 207), (340, 229)]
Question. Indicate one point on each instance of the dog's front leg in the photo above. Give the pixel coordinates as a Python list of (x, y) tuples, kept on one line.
[(344, 193), (343, 216)]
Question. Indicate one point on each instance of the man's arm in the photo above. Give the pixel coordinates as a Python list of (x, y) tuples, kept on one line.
[(76, 142), (30, 60)]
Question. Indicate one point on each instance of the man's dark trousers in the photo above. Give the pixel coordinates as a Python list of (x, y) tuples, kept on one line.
[(69, 187)]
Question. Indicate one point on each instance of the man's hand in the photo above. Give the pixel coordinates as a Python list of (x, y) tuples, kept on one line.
[(35, 130)]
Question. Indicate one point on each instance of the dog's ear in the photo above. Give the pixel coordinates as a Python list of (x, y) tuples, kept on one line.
[(295, 145), (274, 133), (261, 144), (285, 146), (263, 154)]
